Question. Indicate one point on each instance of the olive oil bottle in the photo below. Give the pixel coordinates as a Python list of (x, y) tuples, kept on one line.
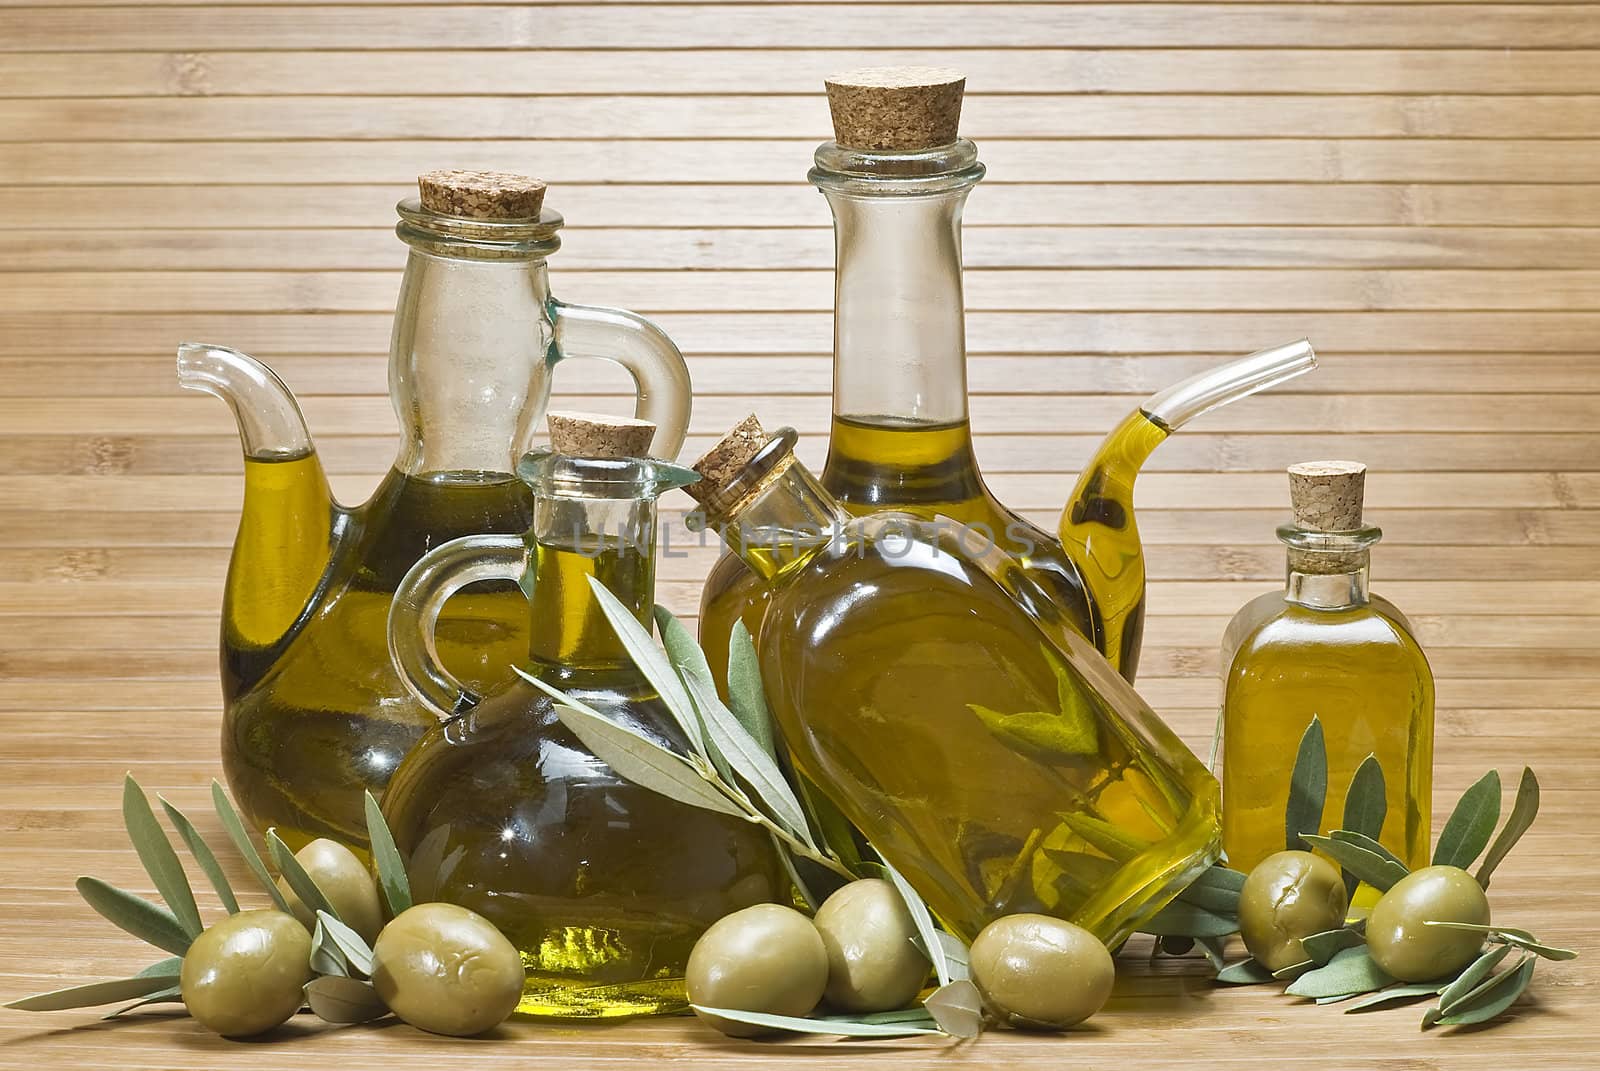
[(951, 710), (313, 710), (1327, 648), (602, 885), (896, 178)]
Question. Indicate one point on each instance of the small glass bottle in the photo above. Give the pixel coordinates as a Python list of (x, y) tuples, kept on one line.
[(603, 885), (950, 708), (1327, 648)]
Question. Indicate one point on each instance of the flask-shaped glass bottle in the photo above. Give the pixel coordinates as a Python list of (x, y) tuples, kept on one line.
[(604, 886), (950, 709), (1325, 647), (314, 712)]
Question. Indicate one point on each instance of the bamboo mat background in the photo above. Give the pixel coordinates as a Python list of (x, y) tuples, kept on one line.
[(1415, 186)]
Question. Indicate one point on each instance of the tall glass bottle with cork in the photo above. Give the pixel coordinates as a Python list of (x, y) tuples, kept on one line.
[(1325, 647), (896, 178)]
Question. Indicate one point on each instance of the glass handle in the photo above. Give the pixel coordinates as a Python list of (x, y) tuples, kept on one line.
[(659, 372), (414, 614)]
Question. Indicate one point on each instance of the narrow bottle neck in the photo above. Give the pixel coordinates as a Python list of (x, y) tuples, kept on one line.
[(572, 540), (783, 523), (899, 334), (468, 363), (1342, 590), (1328, 570)]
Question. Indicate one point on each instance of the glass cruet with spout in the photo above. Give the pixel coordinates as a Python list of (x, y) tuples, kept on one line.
[(896, 178), (951, 710), (314, 712), (604, 886)]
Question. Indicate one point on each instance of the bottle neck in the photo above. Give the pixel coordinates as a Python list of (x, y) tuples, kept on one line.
[(572, 540), (1328, 570), (469, 360), (781, 519), (899, 333)]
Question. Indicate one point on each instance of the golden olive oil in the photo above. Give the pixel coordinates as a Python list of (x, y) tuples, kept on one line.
[(941, 723), (927, 470), (1361, 672), (315, 712), (602, 885)]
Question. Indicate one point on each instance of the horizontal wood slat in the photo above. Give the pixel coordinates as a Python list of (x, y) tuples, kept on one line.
[(1041, 116), (793, 27), (1307, 159), (1306, 67)]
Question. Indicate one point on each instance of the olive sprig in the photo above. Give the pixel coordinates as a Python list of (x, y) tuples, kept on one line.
[(1339, 964), (340, 958), (730, 765)]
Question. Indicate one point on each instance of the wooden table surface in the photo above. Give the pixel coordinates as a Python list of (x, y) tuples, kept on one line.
[(1416, 186)]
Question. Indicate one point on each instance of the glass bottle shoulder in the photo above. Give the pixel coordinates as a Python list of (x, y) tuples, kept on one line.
[(1272, 623)]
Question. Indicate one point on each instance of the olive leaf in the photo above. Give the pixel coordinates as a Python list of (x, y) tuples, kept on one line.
[(310, 894), (1509, 935), (957, 1008), (1245, 972), (159, 860), (386, 856), (1470, 978), (95, 993), (146, 921), (173, 994), (922, 919), (957, 956), (749, 759), (1487, 1000), (1392, 994), (203, 855), (1369, 866), (1349, 972), (746, 694), (1471, 824), (1361, 840), (1294, 970), (1103, 836), (1322, 947), (916, 1015), (171, 967), (1183, 919), (653, 663), (344, 1000), (1366, 805), (639, 759), (855, 1028), (689, 663), (354, 947), (326, 957), (1523, 811), (1308, 788), (234, 827), (1214, 951), (1216, 889)]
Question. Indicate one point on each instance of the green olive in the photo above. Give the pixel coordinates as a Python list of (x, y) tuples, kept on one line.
[(347, 883), (247, 973), (874, 963), (1041, 973), (1287, 897), (767, 958), (1406, 947), (447, 970)]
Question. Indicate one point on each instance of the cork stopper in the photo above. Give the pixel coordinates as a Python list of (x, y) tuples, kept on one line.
[(896, 109), (1326, 495), (724, 461), (481, 194), (598, 435)]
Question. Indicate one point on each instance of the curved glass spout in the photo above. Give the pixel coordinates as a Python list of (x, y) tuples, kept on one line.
[(270, 423), (1097, 527), (289, 525)]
